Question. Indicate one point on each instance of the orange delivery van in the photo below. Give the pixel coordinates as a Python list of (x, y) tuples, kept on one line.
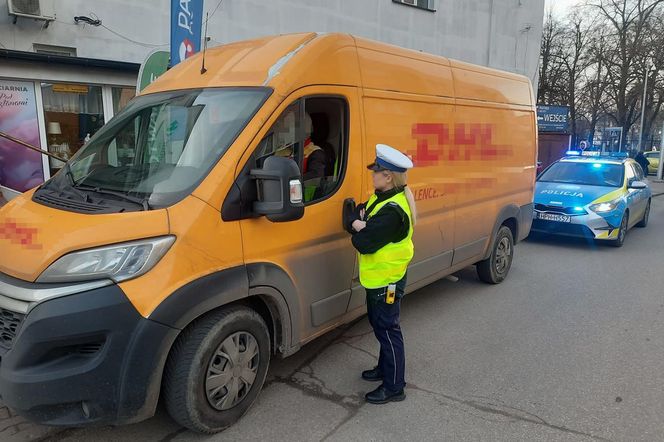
[(187, 243)]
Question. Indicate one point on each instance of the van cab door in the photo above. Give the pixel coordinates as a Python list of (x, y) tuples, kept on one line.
[(319, 128)]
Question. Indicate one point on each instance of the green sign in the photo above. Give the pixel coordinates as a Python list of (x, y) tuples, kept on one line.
[(153, 66)]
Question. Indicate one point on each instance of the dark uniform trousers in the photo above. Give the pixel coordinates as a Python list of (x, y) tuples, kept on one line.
[(384, 319)]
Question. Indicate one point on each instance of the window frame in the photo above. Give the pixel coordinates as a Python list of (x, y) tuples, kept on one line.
[(344, 142), (629, 169), (639, 174), (431, 5)]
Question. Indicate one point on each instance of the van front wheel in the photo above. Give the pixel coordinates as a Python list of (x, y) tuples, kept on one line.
[(495, 268), (216, 369)]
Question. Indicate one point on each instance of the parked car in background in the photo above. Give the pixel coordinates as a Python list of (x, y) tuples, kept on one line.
[(653, 159)]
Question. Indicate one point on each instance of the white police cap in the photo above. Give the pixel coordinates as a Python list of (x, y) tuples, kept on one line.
[(388, 158)]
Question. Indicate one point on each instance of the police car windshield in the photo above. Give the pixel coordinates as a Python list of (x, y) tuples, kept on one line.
[(585, 174)]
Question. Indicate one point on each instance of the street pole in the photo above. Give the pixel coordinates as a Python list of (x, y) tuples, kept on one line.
[(643, 108), (661, 156), (621, 138)]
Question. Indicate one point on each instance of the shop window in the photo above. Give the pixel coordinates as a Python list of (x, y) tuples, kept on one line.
[(121, 97), (313, 133), (73, 113), (20, 168)]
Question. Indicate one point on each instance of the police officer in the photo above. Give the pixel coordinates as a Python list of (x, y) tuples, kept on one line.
[(382, 231)]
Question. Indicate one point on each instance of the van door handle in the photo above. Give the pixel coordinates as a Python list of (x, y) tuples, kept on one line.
[(348, 214)]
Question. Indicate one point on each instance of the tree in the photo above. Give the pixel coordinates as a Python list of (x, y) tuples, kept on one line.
[(574, 59), (551, 76), (653, 67), (592, 91), (628, 21)]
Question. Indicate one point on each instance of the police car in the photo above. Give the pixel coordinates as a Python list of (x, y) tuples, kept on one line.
[(593, 196)]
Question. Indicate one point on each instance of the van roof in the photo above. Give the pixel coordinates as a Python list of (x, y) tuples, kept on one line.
[(286, 62)]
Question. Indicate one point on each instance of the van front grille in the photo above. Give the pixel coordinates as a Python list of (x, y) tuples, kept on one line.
[(10, 322)]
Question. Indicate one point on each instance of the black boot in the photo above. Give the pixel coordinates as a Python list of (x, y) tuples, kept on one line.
[(382, 395), (372, 375)]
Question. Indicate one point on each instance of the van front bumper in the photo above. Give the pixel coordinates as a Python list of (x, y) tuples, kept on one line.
[(84, 358)]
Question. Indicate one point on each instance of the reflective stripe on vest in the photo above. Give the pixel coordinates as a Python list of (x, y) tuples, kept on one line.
[(389, 264), (309, 148)]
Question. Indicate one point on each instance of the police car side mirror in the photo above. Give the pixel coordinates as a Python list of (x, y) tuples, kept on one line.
[(638, 185), (279, 189)]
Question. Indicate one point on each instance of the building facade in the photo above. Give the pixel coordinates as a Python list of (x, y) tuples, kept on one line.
[(62, 77)]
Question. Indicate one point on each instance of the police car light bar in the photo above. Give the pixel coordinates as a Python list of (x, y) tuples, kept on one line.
[(618, 154), (572, 153), (591, 153)]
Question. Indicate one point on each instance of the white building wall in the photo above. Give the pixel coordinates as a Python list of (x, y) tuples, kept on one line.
[(504, 34)]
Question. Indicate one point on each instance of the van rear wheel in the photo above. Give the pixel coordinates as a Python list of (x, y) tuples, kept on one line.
[(216, 369), (495, 268)]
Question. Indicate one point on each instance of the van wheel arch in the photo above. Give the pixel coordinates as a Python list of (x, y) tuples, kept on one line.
[(508, 217), (271, 293)]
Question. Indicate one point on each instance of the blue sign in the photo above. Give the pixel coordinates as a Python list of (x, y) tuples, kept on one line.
[(186, 24), (553, 119)]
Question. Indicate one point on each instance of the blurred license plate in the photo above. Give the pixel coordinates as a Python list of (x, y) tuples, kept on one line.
[(554, 217)]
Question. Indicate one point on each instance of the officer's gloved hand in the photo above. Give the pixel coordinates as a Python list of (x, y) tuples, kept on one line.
[(350, 214)]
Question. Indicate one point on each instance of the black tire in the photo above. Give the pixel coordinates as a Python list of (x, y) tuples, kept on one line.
[(495, 268), (646, 216), (622, 233), (194, 357)]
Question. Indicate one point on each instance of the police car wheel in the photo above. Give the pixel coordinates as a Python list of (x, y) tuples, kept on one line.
[(646, 216), (494, 269), (216, 369), (618, 242)]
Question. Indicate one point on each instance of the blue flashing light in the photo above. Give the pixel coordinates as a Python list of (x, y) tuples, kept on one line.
[(578, 209), (573, 153), (597, 165)]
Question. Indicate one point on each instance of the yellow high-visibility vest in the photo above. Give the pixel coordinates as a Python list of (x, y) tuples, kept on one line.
[(389, 264)]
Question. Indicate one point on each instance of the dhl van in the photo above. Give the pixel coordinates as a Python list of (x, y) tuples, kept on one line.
[(175, 253)]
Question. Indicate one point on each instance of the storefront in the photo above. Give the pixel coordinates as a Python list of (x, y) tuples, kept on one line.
[(56, 103)]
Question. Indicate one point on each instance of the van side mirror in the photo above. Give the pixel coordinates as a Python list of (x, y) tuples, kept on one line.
[(280, 191), (637, 185)]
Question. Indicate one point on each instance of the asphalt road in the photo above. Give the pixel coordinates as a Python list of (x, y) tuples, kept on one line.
[(569, 348)]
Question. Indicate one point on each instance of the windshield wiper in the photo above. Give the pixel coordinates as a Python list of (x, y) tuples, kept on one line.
[(70, 174), (143, 202)]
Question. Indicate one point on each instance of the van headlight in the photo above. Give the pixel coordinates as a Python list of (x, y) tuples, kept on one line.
[(604, 207), (118, 262)]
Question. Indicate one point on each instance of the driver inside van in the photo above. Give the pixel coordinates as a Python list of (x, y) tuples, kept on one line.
[(314, 159)]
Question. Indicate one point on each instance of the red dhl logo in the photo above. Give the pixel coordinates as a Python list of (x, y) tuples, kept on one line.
[(468, 142), (17, 233)]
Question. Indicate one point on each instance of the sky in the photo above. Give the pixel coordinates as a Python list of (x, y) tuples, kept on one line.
[(560, 7)]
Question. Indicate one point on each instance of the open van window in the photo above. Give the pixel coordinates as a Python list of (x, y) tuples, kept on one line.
[(313, 132), (159, 147)]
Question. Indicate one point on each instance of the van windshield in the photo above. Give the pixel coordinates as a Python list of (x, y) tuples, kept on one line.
[(161, 145)]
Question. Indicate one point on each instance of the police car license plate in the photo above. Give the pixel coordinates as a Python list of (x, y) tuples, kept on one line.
[(554, 217)]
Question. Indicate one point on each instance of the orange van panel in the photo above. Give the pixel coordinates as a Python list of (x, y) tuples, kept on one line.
[(33, 236), (204, 244), (283, 63), (388, 72), (244, 63), (484, 84)]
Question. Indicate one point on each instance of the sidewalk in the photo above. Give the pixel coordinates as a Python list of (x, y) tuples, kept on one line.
[(657, 186)]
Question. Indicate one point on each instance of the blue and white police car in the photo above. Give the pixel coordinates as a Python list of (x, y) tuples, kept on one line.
[(592, 196)]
